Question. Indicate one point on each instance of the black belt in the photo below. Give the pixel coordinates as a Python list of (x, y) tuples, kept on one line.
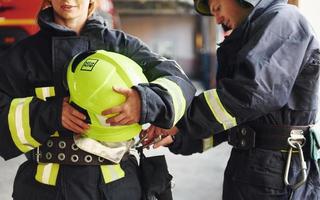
[(63, 150), (262, 136)]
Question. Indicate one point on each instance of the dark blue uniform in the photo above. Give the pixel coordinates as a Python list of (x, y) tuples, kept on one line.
[(267, 77), (31, 94)]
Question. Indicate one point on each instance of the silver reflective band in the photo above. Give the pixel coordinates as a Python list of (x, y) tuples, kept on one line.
[(88, 158), (61, 156), (218, 111), (74, 158)]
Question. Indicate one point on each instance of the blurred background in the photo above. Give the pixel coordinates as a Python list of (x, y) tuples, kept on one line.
[(172, 29)]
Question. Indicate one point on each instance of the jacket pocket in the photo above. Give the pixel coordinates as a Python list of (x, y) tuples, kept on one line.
[(304, 94), (26, 187), (260, 167)]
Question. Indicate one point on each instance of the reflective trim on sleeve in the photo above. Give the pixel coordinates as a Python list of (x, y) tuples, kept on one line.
[(19, 126), (111, 172), (179, 102), (44, 92), (207, 143), (47, 173), (218, 110)]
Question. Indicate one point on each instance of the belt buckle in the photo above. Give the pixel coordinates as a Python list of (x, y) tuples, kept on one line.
[(37, 155)]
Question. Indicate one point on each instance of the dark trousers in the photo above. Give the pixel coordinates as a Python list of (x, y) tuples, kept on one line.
[(78, 183), (258, 174)]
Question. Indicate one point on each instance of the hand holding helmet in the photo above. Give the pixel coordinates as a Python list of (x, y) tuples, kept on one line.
[(72, 119), (128, 112), (100, 85)]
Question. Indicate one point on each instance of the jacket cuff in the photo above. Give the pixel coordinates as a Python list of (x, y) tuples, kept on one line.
[(143, 98), (57, 106)]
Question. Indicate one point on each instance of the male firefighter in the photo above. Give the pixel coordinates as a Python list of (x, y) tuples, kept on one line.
[(37, 120), (264, 104)]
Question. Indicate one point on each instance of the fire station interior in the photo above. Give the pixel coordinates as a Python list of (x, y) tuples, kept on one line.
[(173, 29)]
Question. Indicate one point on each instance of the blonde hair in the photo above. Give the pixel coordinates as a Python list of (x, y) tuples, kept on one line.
[(92, 6)]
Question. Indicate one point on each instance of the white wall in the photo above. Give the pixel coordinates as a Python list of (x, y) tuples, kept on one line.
[(311, 9), (168, 35)]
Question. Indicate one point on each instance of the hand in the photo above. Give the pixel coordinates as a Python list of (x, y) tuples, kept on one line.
[(158, 136), (128, 112), (72, 119)]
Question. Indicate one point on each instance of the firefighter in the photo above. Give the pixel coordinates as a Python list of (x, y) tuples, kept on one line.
[(39, 120), (265, 102)]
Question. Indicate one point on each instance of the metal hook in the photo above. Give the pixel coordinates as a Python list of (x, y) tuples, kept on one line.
[(137, 145), (303, 166)]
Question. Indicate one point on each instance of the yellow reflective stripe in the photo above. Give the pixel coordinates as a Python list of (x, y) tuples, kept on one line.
[(47, 173), (44, 92), (219, 112), (19, 126), (56, 134), (179, 102), (4, 21), (207, 143), (111, 172)]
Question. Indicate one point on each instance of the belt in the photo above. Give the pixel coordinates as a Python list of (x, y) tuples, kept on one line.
[(269, 137), (63, 150)]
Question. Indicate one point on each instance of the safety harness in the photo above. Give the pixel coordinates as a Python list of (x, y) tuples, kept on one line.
[(277, 138)]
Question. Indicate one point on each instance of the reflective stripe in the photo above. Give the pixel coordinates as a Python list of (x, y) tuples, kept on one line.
[(47, 173), (19, 126), (218, 110), (4, 21), (44, 92), (56, 134), (207, 143), (179, 102), (111, 172)]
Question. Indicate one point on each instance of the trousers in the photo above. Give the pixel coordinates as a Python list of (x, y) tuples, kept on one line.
[(78, 183), (259, 174)]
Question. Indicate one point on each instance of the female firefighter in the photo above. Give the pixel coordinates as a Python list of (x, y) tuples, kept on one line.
[(265, 100), (37, 120)]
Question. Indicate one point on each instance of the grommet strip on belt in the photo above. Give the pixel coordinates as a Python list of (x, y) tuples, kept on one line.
[(63, 150)]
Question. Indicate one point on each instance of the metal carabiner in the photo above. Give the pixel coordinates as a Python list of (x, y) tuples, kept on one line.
[(140, 141), (303, 166)]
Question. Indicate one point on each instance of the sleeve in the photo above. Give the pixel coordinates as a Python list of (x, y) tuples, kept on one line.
[(26, 121), (169, 91), (184, 144), (263, 76)]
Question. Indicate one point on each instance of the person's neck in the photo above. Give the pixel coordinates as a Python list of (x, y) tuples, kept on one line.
[(75, 24)]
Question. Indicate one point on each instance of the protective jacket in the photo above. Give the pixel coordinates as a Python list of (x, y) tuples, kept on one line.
[(268, 72), (268, 75), (32, 89)]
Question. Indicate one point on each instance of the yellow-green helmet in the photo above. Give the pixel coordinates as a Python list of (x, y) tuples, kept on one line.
[(90, 77)]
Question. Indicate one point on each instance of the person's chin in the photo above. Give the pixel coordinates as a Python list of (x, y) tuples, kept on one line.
[(226, 28)]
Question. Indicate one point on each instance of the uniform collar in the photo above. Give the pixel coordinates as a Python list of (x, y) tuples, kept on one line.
[(261, 6), (258, 10), (47, 24)]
